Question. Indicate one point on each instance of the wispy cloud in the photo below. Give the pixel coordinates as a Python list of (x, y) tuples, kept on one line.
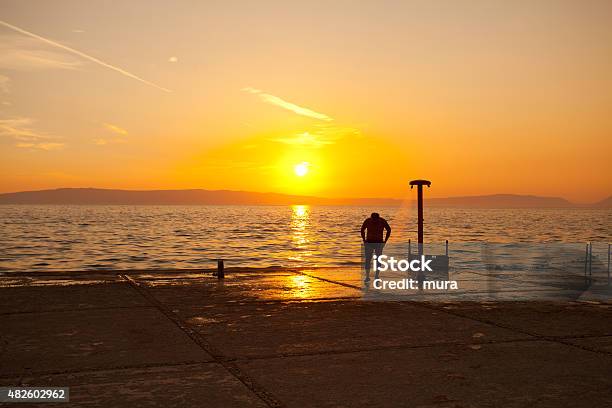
[(303, 139), (275, 100), (320, 136), (41, 146), (28, 54), (82, 55), (115, 129), (21, 130), (119, 133), (104, 142)]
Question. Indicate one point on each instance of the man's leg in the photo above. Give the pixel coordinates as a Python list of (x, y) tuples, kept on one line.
[(368, 252), (378, 248)]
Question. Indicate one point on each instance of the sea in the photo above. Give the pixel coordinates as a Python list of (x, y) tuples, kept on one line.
[(97, 237)]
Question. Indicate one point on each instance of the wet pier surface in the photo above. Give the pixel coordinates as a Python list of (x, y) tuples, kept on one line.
[(284, 338)]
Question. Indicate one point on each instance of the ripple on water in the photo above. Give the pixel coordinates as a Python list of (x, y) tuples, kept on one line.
[(96, 237)]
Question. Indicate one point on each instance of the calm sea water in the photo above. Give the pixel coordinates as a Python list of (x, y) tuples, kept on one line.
[(142, 237)]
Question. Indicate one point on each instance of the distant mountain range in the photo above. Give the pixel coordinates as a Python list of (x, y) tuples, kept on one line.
[(501, 201), (227, 197), (176, 197), (605, 203)]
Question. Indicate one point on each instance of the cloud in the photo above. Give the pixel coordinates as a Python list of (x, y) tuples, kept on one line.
[(115, 129), (26, 54), (104, 142), (82, 55), (304, 139), (321, 135), (20, 130), (275, 100), (173, 59), (41, 146), (118, 131)]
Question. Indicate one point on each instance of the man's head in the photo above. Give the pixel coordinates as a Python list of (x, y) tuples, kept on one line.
[(375, 215)]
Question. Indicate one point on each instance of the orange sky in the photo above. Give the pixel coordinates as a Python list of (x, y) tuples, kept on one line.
[(480, 97)]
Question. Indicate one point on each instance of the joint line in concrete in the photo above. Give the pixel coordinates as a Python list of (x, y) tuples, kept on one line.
[(502, 326), (231, 367)]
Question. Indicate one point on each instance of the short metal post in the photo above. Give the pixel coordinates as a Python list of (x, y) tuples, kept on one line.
[(220, 271), (447, 247), (409, 249), (590, 262)]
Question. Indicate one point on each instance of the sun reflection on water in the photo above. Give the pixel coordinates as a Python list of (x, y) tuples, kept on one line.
[(300, 230), (307, 287)]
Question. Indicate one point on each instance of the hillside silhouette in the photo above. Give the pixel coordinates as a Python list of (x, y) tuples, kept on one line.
[(98, 196)]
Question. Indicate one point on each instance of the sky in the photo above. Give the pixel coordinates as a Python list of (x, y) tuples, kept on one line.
[(480, 97)]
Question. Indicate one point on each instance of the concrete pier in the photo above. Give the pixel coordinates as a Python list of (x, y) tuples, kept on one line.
[(284, 338)]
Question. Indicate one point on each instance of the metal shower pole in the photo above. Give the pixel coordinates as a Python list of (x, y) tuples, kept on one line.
[(420, 184)]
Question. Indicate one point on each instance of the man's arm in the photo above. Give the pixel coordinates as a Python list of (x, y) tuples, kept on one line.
[(387, 231), (363, 228)]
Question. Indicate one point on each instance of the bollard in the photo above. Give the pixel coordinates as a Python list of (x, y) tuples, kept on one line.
[(220, 271), (590, 262), (447, 247)]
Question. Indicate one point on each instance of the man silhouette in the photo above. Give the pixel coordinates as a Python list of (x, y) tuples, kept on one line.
[(373, 241)]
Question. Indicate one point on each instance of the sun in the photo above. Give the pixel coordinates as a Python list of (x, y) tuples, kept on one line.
[(301, 169)]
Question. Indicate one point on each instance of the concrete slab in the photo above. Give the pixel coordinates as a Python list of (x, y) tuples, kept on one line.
[(114, 348), (520, 374), (198, 385), (92, 339), (543, 318), (21, 299), (278, 328)]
